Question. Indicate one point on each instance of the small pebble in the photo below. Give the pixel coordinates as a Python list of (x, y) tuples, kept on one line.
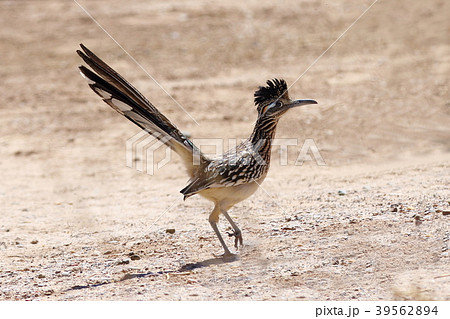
[(342, 192), (170, 230), (34, 242), (134, 268), (135, 257), (99, 280), (123, 262)]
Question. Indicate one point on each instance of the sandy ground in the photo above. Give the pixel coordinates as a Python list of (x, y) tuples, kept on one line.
[(371, 224)]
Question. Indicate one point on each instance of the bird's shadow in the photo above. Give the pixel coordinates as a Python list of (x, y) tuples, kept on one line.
[(185, 269), (208, 262)]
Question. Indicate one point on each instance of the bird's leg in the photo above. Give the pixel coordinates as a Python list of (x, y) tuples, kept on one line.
[(213, 220), (216, 230), (237, 232)]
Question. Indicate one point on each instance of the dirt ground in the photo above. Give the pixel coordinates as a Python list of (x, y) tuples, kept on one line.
[(372, 224)]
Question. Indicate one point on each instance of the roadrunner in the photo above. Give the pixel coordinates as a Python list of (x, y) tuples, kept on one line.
[(225, 180)]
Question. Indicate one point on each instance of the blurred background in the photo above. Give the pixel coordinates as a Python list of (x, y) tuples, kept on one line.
[(382, 88), (384, 103)]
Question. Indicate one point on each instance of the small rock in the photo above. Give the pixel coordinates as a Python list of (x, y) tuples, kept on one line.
[(446, 212), (445, 254), (170, 230), (65, 273), (128, 276), (48, 292), (134, 268), (104, 279), (342, 192), (96, 280), (34, 242), (41, 276), (417, 220), (123, 262), (135, 257)]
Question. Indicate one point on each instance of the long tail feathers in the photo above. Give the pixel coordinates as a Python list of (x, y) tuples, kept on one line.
[(128, 101)]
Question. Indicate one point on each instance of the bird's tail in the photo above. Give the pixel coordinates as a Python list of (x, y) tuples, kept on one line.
[(128, 101)]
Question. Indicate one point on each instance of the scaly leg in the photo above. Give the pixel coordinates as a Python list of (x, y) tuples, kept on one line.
[(213, 220), (237, 232), (216, 230)]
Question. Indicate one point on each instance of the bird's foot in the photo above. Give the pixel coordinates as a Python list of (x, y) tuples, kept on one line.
[(237, 238), (227, 255)]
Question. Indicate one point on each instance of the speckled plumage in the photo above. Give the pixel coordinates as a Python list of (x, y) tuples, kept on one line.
[(225, 180)]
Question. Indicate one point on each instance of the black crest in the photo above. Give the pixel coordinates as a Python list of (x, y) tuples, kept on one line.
[(275, 88)]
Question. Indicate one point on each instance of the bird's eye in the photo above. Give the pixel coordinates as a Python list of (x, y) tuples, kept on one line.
[(279, 104)]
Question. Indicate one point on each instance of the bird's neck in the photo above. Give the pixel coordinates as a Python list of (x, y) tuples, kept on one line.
[(261, 138)]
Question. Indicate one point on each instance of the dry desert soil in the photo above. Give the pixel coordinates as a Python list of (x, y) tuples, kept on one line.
[(371, 224)]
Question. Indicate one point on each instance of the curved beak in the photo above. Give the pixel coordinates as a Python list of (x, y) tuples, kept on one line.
[(296, 103)]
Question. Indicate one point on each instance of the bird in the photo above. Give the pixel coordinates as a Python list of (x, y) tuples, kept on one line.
[(225, 180)]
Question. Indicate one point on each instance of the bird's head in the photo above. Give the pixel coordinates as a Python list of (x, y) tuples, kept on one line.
[(273, 100)]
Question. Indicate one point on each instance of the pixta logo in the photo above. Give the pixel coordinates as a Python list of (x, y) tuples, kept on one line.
[(141, 149)]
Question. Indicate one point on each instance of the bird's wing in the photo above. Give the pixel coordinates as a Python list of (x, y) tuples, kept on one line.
[(226, 172)]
